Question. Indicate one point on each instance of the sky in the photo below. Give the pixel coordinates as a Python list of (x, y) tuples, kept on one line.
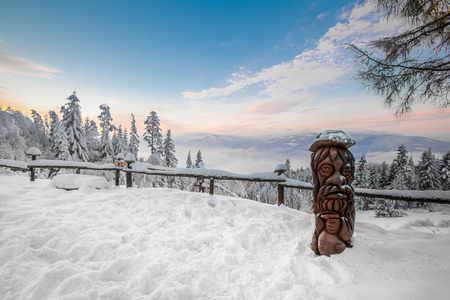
[(225, 67)]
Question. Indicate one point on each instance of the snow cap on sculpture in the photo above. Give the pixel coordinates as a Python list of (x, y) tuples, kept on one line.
[(332, 138)]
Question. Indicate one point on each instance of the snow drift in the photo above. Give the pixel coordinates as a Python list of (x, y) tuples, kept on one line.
[(120, 243)]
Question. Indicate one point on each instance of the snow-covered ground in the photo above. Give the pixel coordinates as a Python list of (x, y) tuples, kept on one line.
[(119, 243)]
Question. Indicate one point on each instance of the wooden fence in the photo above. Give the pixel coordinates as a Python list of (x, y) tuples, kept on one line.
[(212, 175)]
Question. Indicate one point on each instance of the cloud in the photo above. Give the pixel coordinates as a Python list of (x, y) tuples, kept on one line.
[(322, 16), (326, 64), (12, 64), (278, 106), (307, 110)]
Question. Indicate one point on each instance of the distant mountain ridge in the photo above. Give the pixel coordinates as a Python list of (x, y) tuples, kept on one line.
[(297, 144)]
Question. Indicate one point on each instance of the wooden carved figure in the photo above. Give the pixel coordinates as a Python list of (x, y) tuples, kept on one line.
[(333, 169)]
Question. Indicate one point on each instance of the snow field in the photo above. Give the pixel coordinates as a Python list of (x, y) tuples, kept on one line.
[(119, 243)]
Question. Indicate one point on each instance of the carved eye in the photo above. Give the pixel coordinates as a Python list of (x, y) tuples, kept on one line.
[(347, 170), (326, 170)]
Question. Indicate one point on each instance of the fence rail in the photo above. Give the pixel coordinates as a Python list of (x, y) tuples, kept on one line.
[(282, 182)]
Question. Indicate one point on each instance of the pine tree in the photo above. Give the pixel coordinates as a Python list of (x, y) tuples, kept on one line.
[(58, 139), (384, 175), (398, 180), (106, 149), (445, 171), (169, 149), (115, 141), (428, 172), (361, 182), (155, 159), (54, 124), (73, 126), (373, 180), (134, 138), (121, 145), (412, 66), (412, 180), (152, 134), (361, 173), (398, 170), (189, 161), (92, 139), (199, 160), (125, 140), (288, 168)]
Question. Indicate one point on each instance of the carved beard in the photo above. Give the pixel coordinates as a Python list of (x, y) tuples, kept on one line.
[(335, 198)]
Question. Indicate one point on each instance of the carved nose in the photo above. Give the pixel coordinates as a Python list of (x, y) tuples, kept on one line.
[(337, 179)]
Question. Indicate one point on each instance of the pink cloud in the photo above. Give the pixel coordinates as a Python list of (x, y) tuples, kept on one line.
[(12, 64), (278, 106), (424, 122), (267, 108)]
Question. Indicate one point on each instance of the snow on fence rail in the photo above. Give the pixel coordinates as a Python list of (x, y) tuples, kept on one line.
[(62, 164), (14, 165), (406, 195), (201, 174)]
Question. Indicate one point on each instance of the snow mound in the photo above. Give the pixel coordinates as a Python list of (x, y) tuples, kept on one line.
[(77, 181), (134, 243)]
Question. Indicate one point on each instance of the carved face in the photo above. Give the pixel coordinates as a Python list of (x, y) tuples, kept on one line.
[(333, 176), (334, 172)]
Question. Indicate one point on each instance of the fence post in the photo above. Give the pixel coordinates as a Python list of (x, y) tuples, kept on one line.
[(33, 152), (129, 159), (129, 181), (117, 177), (32, 174), (211, 186), (280, 169), (200, 188), (280, 194)]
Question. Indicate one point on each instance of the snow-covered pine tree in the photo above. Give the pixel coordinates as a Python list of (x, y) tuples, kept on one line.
[(398, 170), (429, 177), (373, 179), (134, 138), (54, 124), (115, 141), (445, 171), (73, 126), (288, 168), (361, 173), (40, 127), (58, 138), (412, 179), (189, 160), (13, 143), (152, 134), (121, 145), (86, 126), (397, 181), (155, 159), (361, 182), (169, 149), (106, 149), (199, 160), (92, 139), (384, 175), (125, 141)]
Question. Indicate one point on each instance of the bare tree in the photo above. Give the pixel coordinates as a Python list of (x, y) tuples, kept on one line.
[(413, 66)]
